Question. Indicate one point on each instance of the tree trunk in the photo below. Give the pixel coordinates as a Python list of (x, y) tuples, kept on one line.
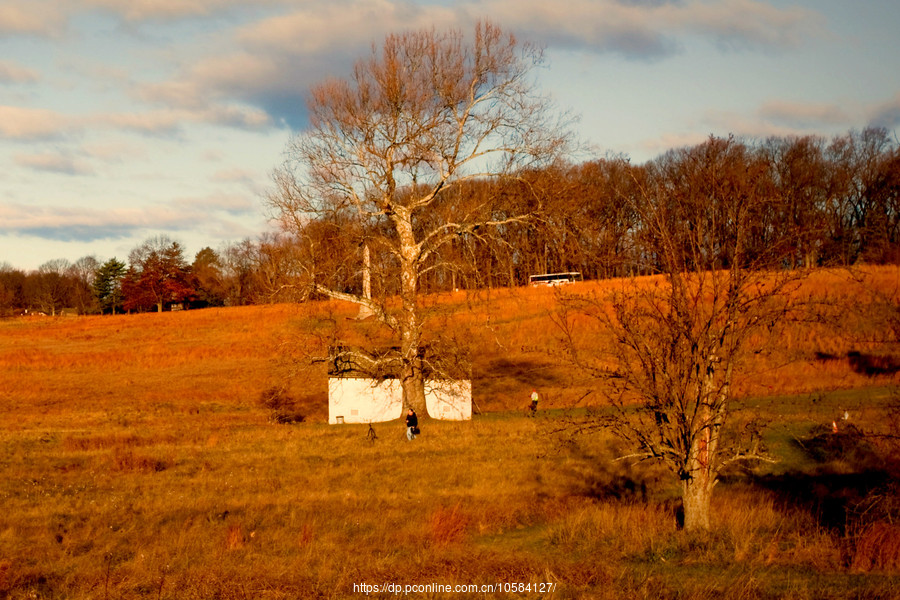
[(697, 486), (700, 477), (412, 376), (696, 495), (413, 389)]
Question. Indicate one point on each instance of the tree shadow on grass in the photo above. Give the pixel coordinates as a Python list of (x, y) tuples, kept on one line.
[(848, 483), (870, 365), (504, 375)]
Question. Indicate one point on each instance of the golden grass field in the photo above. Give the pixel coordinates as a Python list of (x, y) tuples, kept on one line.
[(137, 462)]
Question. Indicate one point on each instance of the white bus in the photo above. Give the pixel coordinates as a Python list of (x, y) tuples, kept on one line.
[(555, 278)]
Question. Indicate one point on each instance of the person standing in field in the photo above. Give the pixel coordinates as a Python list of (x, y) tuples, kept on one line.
[(534, 402), (412, 425)]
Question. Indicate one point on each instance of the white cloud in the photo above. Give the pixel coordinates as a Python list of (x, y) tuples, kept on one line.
[(169, 120), (805, 115), (12, 73), (322, 27), (184, 92), (141, 10), (280, 57), (66, 222), (652, 29), (34, 17), (787, 118), (271, 60), (887, 114), (759, 125), (31, 123), (54, 163), (236, 116), (159, 121), (114, 151), (235, 175), (228, 203), (749, 23)]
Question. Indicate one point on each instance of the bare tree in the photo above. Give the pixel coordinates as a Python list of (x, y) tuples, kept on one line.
[(53, 285), (386, 149), (678, 337), (83, 272), (12, 289), (799, 175)]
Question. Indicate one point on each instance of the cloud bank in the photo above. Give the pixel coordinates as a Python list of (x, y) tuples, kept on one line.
[(85, 224), (176, 105), (270, 62)]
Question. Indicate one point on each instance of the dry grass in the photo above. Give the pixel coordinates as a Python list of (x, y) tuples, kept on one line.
[(878, 548), (251, 510), (136, 461)]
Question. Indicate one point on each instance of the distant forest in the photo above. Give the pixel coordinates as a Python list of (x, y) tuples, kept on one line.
[(821, 202)]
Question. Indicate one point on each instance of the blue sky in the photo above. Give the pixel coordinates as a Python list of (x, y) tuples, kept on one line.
[(124, 119)]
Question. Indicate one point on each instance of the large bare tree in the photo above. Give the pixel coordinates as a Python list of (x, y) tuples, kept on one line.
[(387, 153), (678, 338)]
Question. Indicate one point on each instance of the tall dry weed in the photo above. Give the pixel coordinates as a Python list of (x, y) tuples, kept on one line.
[(5, 572), (758, 530), (447, 525), (235, 539), (748, 520), (629, 529), (878, 548)]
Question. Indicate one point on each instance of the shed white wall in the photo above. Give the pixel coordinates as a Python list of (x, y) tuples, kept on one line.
[(364, 400), (376, 401), (449, 400)]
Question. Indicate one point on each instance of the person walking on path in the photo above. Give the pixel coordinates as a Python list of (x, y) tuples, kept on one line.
[(412, 425)]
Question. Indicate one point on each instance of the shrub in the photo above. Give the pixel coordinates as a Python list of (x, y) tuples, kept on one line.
[(849, 445), (282, 406)]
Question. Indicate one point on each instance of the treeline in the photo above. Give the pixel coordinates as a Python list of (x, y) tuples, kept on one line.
[(158, 276), (816, 202)]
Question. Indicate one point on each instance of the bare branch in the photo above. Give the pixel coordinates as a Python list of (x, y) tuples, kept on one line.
[(377, 309)]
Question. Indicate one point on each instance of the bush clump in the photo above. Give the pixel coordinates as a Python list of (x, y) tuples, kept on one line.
[(282, 406)]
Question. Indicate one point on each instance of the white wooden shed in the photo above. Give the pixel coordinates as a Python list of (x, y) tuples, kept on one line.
[(365, 400)]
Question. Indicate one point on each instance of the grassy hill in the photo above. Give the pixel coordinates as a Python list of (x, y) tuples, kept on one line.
[(73, 369), (137, 462)]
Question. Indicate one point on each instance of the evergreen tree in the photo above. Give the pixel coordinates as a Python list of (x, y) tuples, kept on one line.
[(108, 285)]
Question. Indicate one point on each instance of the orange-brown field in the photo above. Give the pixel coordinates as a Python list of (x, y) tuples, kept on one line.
[(136, 461)]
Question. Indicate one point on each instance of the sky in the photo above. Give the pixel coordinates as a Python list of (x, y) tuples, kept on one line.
[(121, 120)]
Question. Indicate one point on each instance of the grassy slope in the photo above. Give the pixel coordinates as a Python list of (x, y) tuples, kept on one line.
[(135, 462), (75, 369)]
